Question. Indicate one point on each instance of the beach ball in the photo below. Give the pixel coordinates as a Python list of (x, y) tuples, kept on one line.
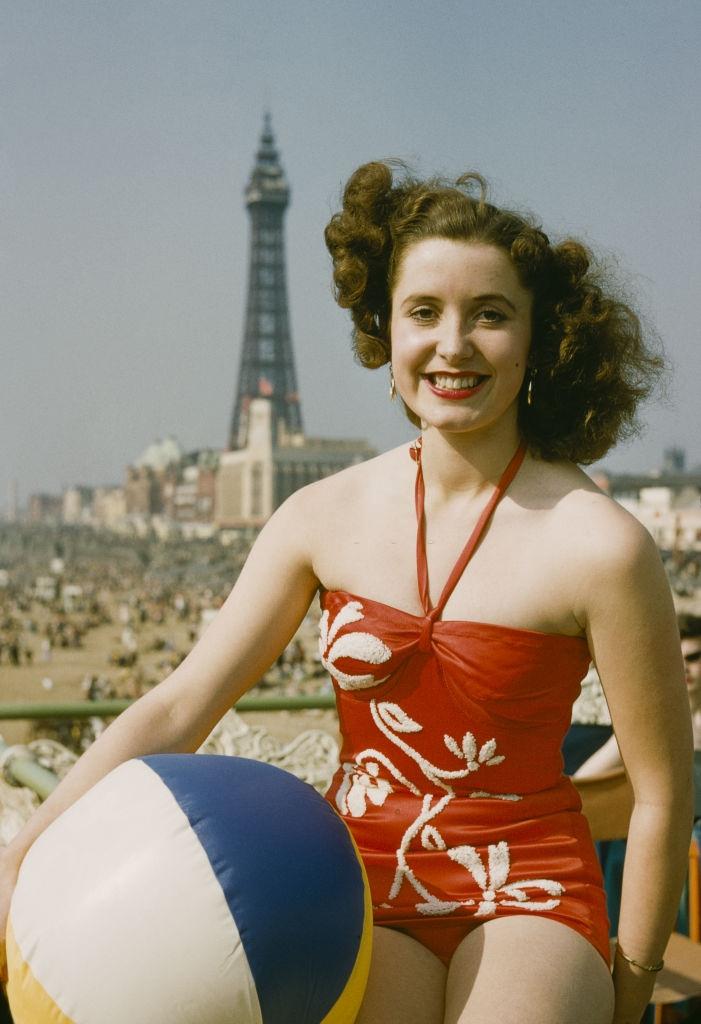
[(191, 889)]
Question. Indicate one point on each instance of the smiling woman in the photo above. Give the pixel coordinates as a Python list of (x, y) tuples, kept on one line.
[(466, 581), (459, 351), (518, 361), (589, 363)]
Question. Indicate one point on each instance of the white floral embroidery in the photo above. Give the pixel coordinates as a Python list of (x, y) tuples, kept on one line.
[(383, 759), (494, 880), (386, 716), (360, 646), (398, 720), (481, 793), (431, 839), (382, 718), (360, 785), (468, 752)]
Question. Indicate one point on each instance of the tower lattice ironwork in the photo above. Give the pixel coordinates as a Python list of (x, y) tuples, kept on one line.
[(267, 365)]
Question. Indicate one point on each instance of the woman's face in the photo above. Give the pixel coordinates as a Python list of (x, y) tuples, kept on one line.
[(460, 333)]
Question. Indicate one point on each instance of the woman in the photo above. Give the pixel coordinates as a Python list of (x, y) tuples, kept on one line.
[(515, 366)]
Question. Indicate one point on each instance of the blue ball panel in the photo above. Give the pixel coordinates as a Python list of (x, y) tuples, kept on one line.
[(289, 873)]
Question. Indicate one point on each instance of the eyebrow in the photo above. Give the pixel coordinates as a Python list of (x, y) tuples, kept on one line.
[(489, 297), (495, 295)]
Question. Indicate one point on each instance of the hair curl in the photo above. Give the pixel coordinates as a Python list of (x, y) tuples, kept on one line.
[(590, 363)]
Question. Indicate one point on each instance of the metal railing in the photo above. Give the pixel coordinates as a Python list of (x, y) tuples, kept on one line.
[(112, 708), (25, 771)]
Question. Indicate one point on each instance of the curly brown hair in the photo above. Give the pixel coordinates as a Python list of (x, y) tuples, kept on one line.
[(589, 362)]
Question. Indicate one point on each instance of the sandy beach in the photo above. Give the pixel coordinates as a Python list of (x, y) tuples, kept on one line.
[(68, 667)]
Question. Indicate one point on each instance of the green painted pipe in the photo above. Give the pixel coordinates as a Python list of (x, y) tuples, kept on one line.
[(27, 772), (112, 708)]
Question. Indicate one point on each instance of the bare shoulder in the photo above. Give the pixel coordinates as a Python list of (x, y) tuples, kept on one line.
[(610, 559), (599, 530), (328, 508), (351, 487)]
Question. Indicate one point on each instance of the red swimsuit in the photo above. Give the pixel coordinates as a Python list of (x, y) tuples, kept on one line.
[(451, 774)]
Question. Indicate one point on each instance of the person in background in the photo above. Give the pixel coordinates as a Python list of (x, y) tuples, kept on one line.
[(591, 724), (608, 756)]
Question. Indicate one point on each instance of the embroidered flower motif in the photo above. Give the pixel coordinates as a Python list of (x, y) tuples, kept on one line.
[(360, 646), (358, 786), (468, 752), (361, 782), (493, 880)]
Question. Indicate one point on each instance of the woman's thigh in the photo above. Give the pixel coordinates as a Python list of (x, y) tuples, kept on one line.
[(533, 970), (406, 983)]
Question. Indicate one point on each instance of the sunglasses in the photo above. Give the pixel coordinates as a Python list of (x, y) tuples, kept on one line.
[(694, 656)]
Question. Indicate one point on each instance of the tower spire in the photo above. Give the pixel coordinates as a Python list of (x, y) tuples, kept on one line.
[(267, 363)]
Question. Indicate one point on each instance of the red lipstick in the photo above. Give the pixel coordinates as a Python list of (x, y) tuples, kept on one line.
[(452, 395)]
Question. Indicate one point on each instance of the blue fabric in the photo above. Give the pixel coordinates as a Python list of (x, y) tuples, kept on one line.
[(580, 743), (612, 854), (289, 873)]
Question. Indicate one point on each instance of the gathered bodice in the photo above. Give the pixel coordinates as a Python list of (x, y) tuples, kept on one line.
[(473, 705)]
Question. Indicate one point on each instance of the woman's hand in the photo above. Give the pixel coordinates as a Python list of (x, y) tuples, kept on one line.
[(633, 991)]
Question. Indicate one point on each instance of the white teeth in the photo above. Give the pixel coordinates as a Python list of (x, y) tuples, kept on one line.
[(454, 383)]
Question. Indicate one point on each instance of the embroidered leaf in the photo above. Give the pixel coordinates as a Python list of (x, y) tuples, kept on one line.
[(515, 893), (452, 746), (348, 681), (377, 792), (532, 904), (550, 886), (486, 908), (498, 864), (436, 908), (495, 796), (323, 632), (397, 719), (356, 800), (469, 746), (351, 612), (361, 647), (496, 760), (468, 857), (342, 794), (431, 839), (389, 765), (487, 750)]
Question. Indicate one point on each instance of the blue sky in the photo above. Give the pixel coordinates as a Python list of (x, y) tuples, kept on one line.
[(129, 131)]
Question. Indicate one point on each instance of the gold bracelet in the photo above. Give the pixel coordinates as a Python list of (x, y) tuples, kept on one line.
[(643, 967)]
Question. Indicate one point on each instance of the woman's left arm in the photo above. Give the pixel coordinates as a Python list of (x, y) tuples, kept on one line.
[(634, 642)]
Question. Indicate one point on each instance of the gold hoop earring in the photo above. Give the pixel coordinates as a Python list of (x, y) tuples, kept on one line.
[(529, 392), (392, 386)]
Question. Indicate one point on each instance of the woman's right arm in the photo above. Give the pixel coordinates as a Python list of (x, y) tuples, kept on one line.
[(254, 625)]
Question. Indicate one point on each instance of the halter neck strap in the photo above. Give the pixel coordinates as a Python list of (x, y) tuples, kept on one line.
[(472, 541)]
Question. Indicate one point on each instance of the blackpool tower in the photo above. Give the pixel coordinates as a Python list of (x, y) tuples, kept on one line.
[(267, 365)]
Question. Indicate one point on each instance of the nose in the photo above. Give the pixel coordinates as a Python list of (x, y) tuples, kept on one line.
[(454, 342)]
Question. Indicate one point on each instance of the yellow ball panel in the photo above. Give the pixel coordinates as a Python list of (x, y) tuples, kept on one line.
[(29, 1001), (348, 1003)]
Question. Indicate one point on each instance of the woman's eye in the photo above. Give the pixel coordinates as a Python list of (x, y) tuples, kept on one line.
[(492, 316), (423, 314)]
